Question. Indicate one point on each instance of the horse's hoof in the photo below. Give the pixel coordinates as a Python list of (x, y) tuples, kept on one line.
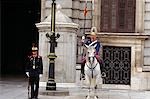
[(96, 87), (95, 97), (87, 97)]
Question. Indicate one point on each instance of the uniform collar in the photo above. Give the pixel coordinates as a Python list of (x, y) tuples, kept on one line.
[(93, 42)]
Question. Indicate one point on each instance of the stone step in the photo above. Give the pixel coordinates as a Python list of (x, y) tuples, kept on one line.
[(57, 92)]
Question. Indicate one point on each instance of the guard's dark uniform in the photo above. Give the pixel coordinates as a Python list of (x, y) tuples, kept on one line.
[(35, 67)]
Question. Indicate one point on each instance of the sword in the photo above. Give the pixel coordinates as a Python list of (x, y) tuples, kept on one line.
[(28, 88)]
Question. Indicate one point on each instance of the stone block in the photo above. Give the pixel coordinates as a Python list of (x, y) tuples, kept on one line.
[(146, 24), (147, 94), (148, 83), (75, 13), (147, 51), (88, 23), (76, 4), (148, 1), (143, 83), (147, 31), (88, 16), (88, 29), (57, 92), (147, 42), (82, 5), (147, 60), (135, 83), (75, 20), (147, 15), (147, 6), (47, 12), (135, 95), (60, 49), (67, 11)]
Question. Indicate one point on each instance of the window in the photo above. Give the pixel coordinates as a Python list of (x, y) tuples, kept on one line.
[(117, 16)]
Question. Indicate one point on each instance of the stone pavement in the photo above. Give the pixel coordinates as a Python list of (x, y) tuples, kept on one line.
[(16, 88)]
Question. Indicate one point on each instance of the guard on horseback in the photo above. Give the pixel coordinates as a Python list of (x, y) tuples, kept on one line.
[(90, 41)]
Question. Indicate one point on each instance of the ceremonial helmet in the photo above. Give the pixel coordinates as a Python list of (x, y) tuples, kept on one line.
[(93, 33), (34, 48)]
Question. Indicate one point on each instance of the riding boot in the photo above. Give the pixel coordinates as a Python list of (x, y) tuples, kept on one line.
[(82, 70)]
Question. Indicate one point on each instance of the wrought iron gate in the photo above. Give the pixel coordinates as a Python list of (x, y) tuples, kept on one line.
[(117, 65)]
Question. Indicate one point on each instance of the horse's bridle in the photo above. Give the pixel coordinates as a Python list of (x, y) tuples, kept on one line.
[(91, 68)]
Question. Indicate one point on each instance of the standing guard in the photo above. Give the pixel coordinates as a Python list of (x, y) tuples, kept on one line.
[(34, 70)]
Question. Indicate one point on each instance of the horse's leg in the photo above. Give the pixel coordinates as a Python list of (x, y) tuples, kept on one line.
[(94, 88), (98, 76), (89, 83), (96, 84), (95, 91)]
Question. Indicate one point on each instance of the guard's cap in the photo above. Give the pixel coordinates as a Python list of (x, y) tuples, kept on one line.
[(93, 34), (34, 48), (93, 31)]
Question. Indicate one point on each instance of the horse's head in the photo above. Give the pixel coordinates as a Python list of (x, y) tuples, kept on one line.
[(90, 53)]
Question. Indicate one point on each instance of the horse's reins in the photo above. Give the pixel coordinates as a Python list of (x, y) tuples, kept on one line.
[(91, 68)]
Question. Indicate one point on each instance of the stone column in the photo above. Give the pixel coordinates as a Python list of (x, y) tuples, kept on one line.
[(42, 10), (65, 63), (139, 16), (97, 14)]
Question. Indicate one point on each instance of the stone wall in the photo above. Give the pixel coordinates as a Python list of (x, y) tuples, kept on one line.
[(147, 31), (73, 9)]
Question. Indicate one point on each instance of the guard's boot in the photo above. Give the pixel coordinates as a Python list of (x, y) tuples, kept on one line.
[(82, 71), (83, 76)]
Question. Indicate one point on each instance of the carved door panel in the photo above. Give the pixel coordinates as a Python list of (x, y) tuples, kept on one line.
[(117, 65)]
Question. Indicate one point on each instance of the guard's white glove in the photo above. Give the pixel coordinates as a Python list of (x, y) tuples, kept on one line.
[(27, 73), (40, 75), (83, 38)]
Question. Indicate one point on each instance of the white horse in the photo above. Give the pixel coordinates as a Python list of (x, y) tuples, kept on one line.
[(92, 71)]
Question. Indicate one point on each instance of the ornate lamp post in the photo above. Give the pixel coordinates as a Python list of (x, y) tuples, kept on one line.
[(51, 85)]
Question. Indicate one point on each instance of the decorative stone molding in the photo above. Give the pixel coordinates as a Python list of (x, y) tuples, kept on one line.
[(133, 40)]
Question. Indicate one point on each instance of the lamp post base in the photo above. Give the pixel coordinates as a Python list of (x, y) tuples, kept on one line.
[(51, 85)]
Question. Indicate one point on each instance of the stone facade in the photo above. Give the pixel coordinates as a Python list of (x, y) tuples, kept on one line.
[(139, 46), (147, 31), (138, 41)]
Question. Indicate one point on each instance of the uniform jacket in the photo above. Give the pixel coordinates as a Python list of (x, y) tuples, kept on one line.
[(34, 66), (98, 46), (94, 43)]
